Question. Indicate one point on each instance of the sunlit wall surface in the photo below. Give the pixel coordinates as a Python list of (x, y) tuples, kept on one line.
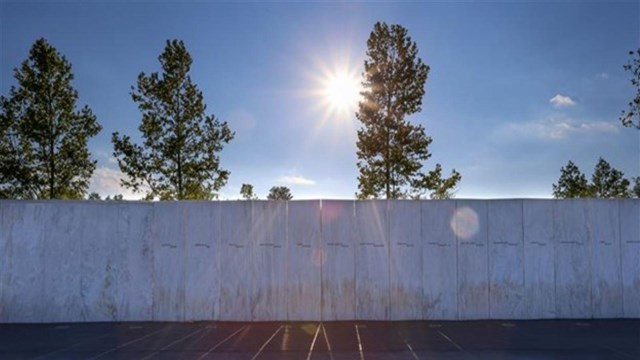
[(66, 261)]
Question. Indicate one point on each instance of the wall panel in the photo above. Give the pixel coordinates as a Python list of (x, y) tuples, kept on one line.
[(606, 277), (338, 270), (405, 260), (372, 260), (630, 256), (439, 260), (22, 256), (573, 259), (169, 261), (202, 236), (62, 261), (305, 260), (539, 262), (473, 266), (506, 259), (269, 243), (103, 259), (235, 251), (135, 233)]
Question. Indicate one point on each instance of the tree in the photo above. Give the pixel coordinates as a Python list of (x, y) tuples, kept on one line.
[(43, 136), (279, 193), (94, 196), (608, 182), (441, 188), (631, 117), (391, 149), (247, 192), (636, 187), (178, 158), (572, 183), (117, 197)]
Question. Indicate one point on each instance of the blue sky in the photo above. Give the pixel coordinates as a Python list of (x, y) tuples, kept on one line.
[(516, 89)]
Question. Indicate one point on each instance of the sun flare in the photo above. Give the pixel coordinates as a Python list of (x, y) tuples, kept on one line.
[(341, 91)]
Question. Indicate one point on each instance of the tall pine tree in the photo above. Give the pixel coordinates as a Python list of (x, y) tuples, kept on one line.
[(43, 136), (572, 183), (178, 158), (391, 150), (631, 117), (608, 182)]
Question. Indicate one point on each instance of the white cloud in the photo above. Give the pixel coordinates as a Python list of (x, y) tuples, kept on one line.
[(557, 128), (106, 181), (562, 101), (603, 75), (296, 180)]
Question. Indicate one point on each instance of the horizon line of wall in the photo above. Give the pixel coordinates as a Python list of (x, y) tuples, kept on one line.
[(70, 261)]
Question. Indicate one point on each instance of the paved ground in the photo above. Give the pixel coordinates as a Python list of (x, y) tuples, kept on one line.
[(603, 339)]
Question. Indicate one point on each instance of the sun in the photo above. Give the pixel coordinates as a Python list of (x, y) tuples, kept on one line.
[(341, 91)]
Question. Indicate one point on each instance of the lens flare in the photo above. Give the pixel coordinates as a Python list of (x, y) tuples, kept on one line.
[(341, 92), (464, 223)]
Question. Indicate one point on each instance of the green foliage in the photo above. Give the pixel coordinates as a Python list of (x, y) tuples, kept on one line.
[(247, 192), (606, 182), (631, 117), (279, 193), (94, 196), (43, 137), (117, 197), (572, 183), (440, 188), (391, 150), (178, 158), (635, 192)]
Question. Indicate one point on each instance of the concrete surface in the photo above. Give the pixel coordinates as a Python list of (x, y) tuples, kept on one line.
[(318, 260), (508, 340)]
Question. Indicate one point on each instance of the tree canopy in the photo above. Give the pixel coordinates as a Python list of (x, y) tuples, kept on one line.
[(178, 158), (631, 116), (606, 182), (43, 135), (391, 150), (247, 192), (279, 193)]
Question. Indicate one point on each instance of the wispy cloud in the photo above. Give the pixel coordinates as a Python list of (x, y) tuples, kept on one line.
[(562, 101), (106, 181), (295, 180), (603, 75), (557, 128)]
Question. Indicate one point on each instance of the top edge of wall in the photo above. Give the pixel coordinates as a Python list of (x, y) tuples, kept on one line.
[(116, 202)]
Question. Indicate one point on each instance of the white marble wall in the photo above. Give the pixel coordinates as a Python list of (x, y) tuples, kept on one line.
[(269, 244), (135, 235), (305, 261), (169, 261), (439, 260), (372, 260), (236, 281), (539, 259), (506, 259), (21, 271), (405, 261), (606, 272), (64, 261), (573, 259), (630, 256), (202, 283), (103, 261), (339, 267), (473, 259)]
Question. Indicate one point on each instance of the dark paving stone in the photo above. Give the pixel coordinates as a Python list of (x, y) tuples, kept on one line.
[(495, 340)]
